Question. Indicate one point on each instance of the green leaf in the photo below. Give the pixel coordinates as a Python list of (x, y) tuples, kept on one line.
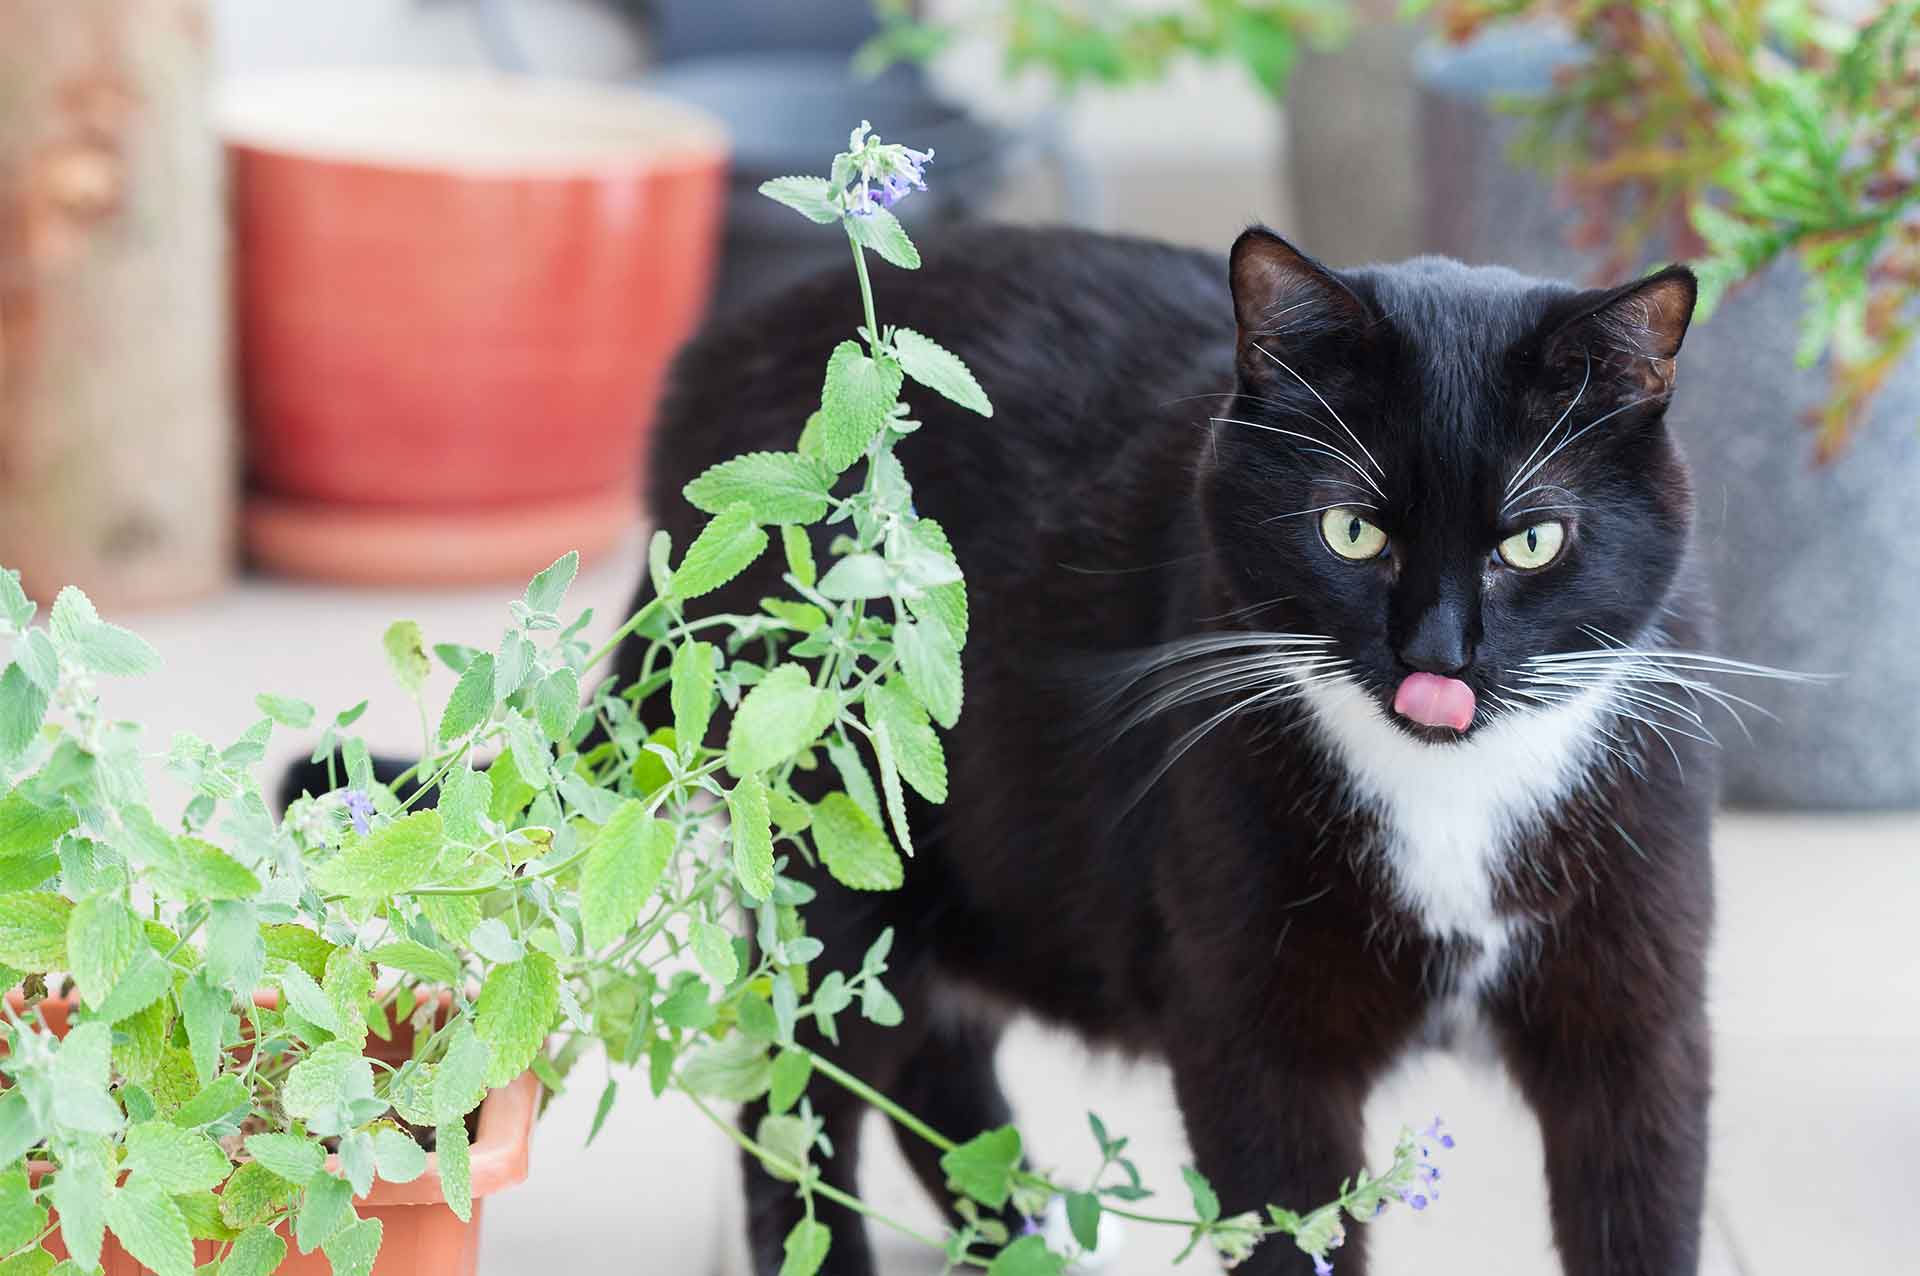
[(548, 590), (202, 871), (236, 954), (21, 1217), (465, 796), (622, 871), (17, 609), (982, 1167), (33, 931), (472, 700), (780, 487), (1205, 1203), (806, 1248), (19, 1126), (752, 837), (222, 1098), (418, 960), (177, 1161), (733, 1070), (460, 1083), (331, 1088), (890, 785), (512, 665), (293, 1157), (146, 981), (931, 664), (1027, 1256), (1083, 1219), (724, 548), (881, 231), (400, 1158), (258, 1252), (352, 1249), (692, 692), (799, 552), (102, 935), (777, 719), (855, 402), (253, 1195), (285, 710), (945, 605), (854, 848), (23, 707), (391, 860), (308, 1000), (557, 705), (516, 1009), (713, 949), (349, 988), (812, 197), (939, 370), (857, 576), (455, 1161), (151, 1228), (80, 1192), (325, 1210), (140, 1041), (406, 649), (791, 1071), (916, 749), (94, 644), (305, 949)]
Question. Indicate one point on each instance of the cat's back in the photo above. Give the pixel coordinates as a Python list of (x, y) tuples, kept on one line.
[(1076, 337)]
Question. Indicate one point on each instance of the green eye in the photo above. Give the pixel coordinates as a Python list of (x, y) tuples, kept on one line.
[(1533, 548), (1351, 536)]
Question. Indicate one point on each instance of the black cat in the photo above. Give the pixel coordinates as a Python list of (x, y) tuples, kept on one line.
[(1329, 690)]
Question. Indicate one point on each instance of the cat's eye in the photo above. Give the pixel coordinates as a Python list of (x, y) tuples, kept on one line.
[(1533, 548), (1351, 536)]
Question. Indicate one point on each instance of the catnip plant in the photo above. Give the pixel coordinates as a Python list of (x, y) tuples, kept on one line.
[(264, 1015)]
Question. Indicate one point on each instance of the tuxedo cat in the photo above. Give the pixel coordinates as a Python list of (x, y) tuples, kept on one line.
[(1333, 687)]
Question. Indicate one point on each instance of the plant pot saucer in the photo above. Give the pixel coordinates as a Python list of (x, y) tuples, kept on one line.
[(375, 545)]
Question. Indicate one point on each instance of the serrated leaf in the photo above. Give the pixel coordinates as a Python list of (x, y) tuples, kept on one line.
[(305, 949), (15, 607), (33, 931), (325, 1210), (777, 719), (329, 1088), (548, 590), (455, 1162), (811, 197), (622, 871), (349, 989), (1027, 1256), (257, 1252), (940, 370), (890, 786), (177, 1161), (220, 1099), (253, 1195), (779, 487), (853, 847), (406, 649), (805, 1249), (202, 871), (857, 576), (285, 710), (788, 1080), (725, 547), (733, 1070), (399, 1157), (21, 1217), (291, 1156), (881, 231), (932, 668), (752, 837), (516, 1009), (1205, 1203), (23, 707), (982, 1167), (94, 644), (307, 999), (713, 949), (471, 702), (144, 982), (916, 749), (945, 605), (151, 1228), (460, 1082), (512, 665), (557, 705), (692, 692), (80, 1193), (418, 960), (465, 796), (236, 954), (103, 934), (799, 553), (391, 860), (856, 400)]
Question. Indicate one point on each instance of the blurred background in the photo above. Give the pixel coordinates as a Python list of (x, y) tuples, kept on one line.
[(313, 316)]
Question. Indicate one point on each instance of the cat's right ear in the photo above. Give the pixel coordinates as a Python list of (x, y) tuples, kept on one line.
[(1281, 293)]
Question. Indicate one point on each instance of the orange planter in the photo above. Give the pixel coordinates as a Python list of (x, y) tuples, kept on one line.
[(421, 1235), (457, 298)]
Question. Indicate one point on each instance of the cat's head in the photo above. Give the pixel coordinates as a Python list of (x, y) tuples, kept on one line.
[(1446, 472)]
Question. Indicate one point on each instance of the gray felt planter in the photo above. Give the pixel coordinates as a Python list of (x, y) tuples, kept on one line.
[(1815, 568)]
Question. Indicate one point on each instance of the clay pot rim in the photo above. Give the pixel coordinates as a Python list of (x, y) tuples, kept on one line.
[(470, 125), (497, 1159)]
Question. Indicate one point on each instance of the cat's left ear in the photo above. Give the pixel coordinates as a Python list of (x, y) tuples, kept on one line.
[(1628, 338), (1281, 294)]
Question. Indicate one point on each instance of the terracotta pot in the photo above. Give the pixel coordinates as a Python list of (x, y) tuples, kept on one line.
[(457, 298), (421, 1235)]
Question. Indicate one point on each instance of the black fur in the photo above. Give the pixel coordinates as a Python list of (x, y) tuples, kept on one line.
[(1234, 918)]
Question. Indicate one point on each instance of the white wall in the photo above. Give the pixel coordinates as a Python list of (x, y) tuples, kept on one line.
[(567, 36)]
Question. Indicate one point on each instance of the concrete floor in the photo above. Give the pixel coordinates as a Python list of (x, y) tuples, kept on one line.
[(1817, 1013)]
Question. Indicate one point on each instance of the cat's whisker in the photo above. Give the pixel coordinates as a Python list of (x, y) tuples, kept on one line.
[(1575, 437), (1321, 509), (1323, 446), (1323, 403), (1585, 378), (1572, 497), (1217, 680), (1538, 509), (1249, 609)]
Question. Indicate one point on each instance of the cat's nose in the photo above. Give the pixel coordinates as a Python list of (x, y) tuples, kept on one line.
[(1440, 642)]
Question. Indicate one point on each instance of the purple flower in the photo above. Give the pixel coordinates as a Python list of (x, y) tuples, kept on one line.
[(359, 808), (1321, 1267), (1437, 1134), (898, 171), (1030, 1226)]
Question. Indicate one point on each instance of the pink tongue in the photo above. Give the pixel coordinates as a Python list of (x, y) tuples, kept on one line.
[(1433, 701)]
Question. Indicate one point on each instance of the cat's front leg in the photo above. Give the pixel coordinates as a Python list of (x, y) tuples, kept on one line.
[(1267, 1128), (1620, 1079)]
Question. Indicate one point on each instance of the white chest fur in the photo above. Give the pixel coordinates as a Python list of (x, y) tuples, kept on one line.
[(1451, 814)]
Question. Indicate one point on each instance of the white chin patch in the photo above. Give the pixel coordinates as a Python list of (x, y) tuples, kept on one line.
[(1451, 812)]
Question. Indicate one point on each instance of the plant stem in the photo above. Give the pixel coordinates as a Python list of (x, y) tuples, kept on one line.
[(855, 1085), (634, 622), (866, 292)]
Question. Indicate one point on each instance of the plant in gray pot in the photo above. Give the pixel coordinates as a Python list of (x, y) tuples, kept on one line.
[(1780, 149)]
